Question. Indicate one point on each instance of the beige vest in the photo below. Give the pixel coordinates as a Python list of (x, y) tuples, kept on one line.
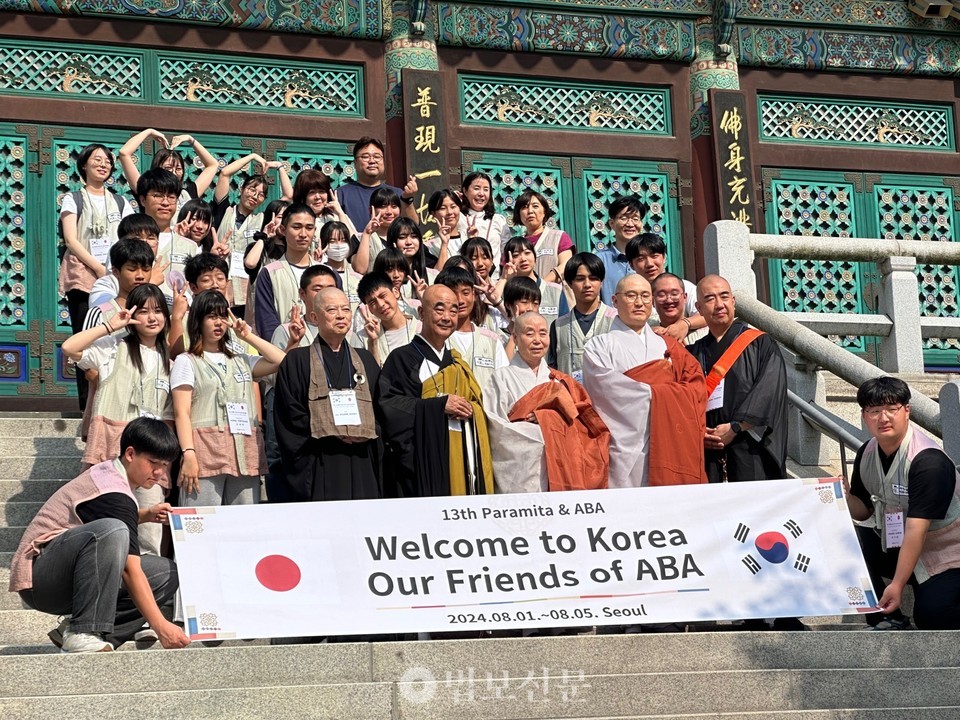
[(318, 399), (941, 548), (570, 338), (481, 355), (74, 275), (546, 249), (237, 238), (59, 514), (126, 394), (286, 288), (213, 388), (550, 294)]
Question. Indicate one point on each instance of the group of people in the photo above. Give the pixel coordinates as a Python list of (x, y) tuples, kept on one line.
[(234, 354)]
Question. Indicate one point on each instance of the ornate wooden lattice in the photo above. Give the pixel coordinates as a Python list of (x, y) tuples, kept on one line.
[(546, 103), (509, 181), (338, 167), (13, 212), (926, 214), (316, 89), (602, 188), (827, 121), (823, 210), (32, 68)]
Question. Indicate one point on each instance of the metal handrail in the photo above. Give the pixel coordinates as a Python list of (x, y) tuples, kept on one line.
[(827, 426)]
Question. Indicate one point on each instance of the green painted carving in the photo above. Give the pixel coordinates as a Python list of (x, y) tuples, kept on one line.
[(829, 121), (820, 210), (405, 49), (709, 70), (317, 89), (532, 102), (602, 188), (30, 67), (13, 213), (907, 212), (510, 180)]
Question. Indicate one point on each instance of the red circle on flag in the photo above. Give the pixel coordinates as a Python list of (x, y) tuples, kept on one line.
[(278, 573)]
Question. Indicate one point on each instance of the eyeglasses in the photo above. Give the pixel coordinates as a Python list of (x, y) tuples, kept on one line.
[(888, 411), (675, 295), (369, 156), (256, 193), (632, 297), (160, 197)]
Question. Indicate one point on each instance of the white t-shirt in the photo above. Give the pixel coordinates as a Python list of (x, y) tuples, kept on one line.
[(102, 356), (69, 206), (104, 289), (182, 372), (463, 341)]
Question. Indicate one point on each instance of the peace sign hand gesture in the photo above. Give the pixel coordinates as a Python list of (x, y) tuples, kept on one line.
[(371, 324)]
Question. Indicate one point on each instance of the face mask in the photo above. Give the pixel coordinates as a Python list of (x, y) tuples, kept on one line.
[(338, 251)]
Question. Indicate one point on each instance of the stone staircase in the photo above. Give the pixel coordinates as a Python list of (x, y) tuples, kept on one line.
[(705, 673)]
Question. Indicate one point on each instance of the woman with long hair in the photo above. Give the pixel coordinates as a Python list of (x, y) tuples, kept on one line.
[(481, 216), (215, 406)]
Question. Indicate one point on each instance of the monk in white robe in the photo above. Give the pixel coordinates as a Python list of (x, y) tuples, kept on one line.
[(651, 394), (544, 433)]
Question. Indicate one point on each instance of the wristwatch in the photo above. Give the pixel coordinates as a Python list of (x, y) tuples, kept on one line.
[(735, 426), (407, 200)]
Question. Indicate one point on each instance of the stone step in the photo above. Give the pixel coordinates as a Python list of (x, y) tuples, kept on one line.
[(938, 713), (33, 425), (18, 513), (28, 490), (32, 446), (50, 467), (10, 538), (317, 702)]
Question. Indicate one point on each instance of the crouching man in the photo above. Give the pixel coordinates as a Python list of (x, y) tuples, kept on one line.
[(80, 555)]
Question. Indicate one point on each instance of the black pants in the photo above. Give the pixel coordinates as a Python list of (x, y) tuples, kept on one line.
[(78, 302), (936, 603)]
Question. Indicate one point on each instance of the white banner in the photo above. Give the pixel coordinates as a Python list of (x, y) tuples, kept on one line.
[(784, 548)]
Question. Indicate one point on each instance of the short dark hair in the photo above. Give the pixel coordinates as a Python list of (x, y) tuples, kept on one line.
[(454, 276), (152, 437), (203, 263), (158, 180), (137, 224), (668, 276), (516, 244), (593, 264), (883, 390), (201, 211), (518, 289), (297, 209), (161, 157), (646, 242), (138, 298), (525, 197), (131, 250), (384, 197), (436, 200), (628, 202), (371, 283), (366, 140), (314, 270), (254, 180), (85, 154), (334, 226), (391, 258), (476, 245)]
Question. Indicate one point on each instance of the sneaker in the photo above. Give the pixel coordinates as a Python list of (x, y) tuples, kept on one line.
[(145, 637), (56, 635), (891, 624), (84, 643)]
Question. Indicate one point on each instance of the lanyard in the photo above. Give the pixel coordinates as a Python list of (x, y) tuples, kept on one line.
[(357, 378), (436, 385), (156, 381), (222, 378)]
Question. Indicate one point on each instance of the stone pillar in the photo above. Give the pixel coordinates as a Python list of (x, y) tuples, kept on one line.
[(950, 418), (902, 350), (714, 66), (726, 252), (411, 43), (805, 444)]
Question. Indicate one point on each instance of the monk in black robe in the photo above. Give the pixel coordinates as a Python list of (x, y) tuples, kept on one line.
[(324, 412), (434, 427), (746, 436)]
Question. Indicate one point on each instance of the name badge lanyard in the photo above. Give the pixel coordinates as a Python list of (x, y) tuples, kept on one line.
[(222, 379), (355, 375), (156, 385), (893, 520)]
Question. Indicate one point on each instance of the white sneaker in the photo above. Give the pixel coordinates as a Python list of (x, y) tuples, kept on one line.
[(145, 637), (56, 635), (84, 643)]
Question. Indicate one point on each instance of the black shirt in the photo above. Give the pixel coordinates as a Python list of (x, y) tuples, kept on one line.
[(930, 483), (114, 505)]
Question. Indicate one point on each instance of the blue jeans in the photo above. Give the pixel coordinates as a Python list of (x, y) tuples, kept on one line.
[(80, 573)]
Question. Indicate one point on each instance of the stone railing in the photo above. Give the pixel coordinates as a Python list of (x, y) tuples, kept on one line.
[(730, 250)]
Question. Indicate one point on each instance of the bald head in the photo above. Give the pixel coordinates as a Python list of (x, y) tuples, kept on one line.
[(633, 300), (532, 337), (716, 304), (333, 315), (439, 307)]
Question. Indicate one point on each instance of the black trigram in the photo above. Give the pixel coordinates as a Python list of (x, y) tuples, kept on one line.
[(752, 565), (793, 528), (742, 532), (802, 562)]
